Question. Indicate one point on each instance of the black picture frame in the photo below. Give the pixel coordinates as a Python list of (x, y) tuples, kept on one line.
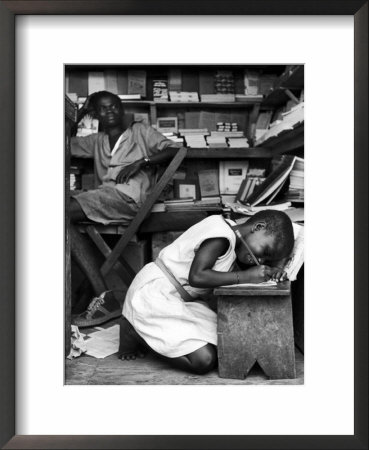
[(8, 11)]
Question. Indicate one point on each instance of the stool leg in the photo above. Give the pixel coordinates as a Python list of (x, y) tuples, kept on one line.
[(254, 329)]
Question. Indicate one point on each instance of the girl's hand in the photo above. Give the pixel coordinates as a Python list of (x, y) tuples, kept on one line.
[(279, 275), (128, 172), (256, 274)]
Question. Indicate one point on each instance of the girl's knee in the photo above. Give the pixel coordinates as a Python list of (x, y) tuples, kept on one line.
[(205, 360)]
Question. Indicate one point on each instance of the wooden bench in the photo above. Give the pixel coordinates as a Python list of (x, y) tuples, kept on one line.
[(255, 325)]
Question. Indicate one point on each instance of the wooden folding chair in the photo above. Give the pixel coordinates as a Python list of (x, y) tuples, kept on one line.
[(114, 257)]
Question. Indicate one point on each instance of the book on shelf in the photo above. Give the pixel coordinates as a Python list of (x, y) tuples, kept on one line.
[(209, 183), (175, 79), (206, 82), (122, 82), (187, 131), (96, 82), (248, 186), (248, 98), (160, 90), (228, 134), (272, 185), (78, 83), (218, 98), (190, 80), (231, 174), (252, 82), (137, 82), (186, 97), (187, 188), (111, 81), (130, 96)]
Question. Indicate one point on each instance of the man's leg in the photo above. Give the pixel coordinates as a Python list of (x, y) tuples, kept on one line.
[(82, 252)]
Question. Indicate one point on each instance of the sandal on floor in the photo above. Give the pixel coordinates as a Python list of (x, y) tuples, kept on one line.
[(100, 310)]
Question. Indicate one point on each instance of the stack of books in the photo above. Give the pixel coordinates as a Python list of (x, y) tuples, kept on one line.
[(194, 137), (296, 190), (218, 98), (188, 97), (216, 141), (238, 142), (227, 126), (174, 137), (224, 82), (290, 120)]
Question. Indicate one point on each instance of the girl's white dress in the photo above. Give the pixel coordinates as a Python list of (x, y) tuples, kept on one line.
[(171, 326)]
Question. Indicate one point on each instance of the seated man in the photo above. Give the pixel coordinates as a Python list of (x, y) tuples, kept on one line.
[(125, 160)]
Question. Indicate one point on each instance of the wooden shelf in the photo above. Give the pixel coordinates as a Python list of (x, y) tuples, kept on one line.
[(246, 104), (286, 141), (228, 153)]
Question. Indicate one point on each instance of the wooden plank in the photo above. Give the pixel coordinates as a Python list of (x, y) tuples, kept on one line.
[(281, 289), (228, 153), (255, 329), (124, 271), (145, 209)]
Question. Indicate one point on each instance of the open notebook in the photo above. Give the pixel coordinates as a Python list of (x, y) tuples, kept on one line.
[(259, 285)]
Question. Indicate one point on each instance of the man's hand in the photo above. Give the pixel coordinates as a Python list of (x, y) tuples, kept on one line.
[(256, 274), (129, 171), (87, 108)]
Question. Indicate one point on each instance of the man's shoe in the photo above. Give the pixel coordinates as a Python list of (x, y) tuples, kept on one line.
[(100, 310)]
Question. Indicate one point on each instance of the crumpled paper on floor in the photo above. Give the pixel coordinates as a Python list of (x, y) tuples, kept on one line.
[(78, 344), (104, 342)]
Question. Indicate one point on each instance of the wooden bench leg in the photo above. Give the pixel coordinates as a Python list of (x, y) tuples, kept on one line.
[(254, 329)]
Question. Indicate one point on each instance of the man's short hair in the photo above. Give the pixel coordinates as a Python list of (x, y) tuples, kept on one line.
[(97, 96), (279, 224)]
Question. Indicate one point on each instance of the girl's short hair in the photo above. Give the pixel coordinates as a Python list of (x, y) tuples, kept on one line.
[(279, 224)]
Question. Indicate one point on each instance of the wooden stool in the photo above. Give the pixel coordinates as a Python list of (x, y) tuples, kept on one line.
[(255, 324)]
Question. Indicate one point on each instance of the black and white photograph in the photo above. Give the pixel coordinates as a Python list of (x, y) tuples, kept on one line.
[(184, 224)]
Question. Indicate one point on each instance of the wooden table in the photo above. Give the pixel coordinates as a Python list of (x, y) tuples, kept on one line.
[(255, 324)]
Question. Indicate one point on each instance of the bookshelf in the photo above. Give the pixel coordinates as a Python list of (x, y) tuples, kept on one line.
[(288, 82)]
